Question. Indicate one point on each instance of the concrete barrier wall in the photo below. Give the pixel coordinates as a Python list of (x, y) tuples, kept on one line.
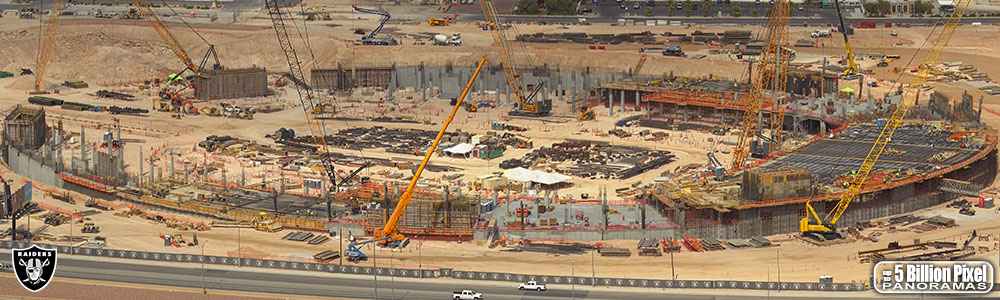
[(439, 273), (31, 166)]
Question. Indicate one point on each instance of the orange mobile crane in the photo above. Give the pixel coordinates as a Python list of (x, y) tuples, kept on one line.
[(390, 233), (815, 227)]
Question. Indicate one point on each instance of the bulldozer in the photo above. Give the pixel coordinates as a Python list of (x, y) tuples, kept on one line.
[(211, 111), (160, 105), (130, 14), (471, 107), (586, 116), (324, 109), (265, 224)]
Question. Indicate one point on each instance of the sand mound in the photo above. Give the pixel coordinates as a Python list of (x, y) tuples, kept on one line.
[(27, 83), (227, 126)]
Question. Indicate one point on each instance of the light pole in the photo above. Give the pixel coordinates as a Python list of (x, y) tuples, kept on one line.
[(239, 244), (392, 276), (375, 269), (573, 278), (777, 255), (420, 264), (593, 273), (203, 271), (768, 282)]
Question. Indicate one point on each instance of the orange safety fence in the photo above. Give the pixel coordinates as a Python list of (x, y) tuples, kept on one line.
[(54, 208)]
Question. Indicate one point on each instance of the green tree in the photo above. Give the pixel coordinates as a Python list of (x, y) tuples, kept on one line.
[(688, 6), (527, 7), (736, 11), (706, 5), (753, 12), (560, 7), (649, 11), (670, 7), (921, 7)]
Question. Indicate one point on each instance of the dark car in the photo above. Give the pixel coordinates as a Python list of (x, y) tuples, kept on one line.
[(635, 5)]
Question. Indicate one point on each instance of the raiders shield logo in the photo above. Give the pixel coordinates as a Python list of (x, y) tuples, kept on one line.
[(34, 266)]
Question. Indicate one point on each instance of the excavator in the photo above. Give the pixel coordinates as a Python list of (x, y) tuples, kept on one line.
[(826, 228), (587, 115), (390, 235)]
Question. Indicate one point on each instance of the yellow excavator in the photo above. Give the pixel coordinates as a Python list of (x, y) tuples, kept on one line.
[(390, 235), (815, 227), (586, 116)]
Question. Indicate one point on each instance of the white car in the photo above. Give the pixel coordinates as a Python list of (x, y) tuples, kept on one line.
[(466, 295), (893, 33), (531, 285)]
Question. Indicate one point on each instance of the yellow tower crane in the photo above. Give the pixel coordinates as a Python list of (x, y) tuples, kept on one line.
[(46, 50), (826, 226), (772, 66)]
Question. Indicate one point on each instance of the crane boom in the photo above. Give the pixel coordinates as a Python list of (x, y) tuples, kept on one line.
[(910, 94), (770, 57), (852, 69), (526, 102), (147, 12), (50, 37), (381, 23), (391, 231), (305, 96)]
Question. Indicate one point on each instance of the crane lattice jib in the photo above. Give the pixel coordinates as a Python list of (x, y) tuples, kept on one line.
[(761, 80), (381, 23), (909, 97), (503, 50), (390, 230), (304, 91), (782, 57), (852, 69), (50, 38), (147, 12)]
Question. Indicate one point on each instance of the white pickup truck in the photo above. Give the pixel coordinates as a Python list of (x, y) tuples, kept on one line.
[(531, 285), (466, 295)]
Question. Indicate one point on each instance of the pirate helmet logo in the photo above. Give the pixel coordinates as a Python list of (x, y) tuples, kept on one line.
[(34, 266)]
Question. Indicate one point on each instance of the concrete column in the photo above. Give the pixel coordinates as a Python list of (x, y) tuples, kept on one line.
[(121, 155), (138, 179), (638, 97), (243, 176), (622, 109), (611, 104), (83, 148), (151, 178), (186, 173), (172, 166), (559, 92), (507, 200), (281, 181)]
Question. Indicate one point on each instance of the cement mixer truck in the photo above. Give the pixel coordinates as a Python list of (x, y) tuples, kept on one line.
[(443, 40)]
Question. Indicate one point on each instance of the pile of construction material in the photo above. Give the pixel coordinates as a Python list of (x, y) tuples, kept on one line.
[(114, 95), (302, 236), (595, 160), (619, 252), (326, 256), (712, 244), (648, 247), (760, 241), (645, 38)]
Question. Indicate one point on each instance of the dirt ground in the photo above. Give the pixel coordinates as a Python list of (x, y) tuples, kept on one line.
[(107, 52)]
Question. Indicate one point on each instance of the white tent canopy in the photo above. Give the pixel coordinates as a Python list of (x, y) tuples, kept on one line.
[(462, 148), (522, 174)]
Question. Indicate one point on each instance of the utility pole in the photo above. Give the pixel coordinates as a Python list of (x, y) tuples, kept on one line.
[(375, 269), (673, 276), (777, 255), (593, 273), (239, 244), (573, 278), (203, 271), (340, 236)]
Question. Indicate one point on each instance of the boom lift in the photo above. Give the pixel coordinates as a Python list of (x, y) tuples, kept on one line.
[(370, 39), (772, 67), (46, 50), (852, 69), (812, 225), (527, 105), (306, 96), (390, 233)]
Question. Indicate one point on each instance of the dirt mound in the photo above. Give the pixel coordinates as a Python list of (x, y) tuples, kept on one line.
[(27, 83)]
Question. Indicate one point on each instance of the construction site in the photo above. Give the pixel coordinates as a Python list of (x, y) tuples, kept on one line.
[(341, 131)]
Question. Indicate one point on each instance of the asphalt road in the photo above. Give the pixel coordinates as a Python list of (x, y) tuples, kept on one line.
[(303, 283)]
